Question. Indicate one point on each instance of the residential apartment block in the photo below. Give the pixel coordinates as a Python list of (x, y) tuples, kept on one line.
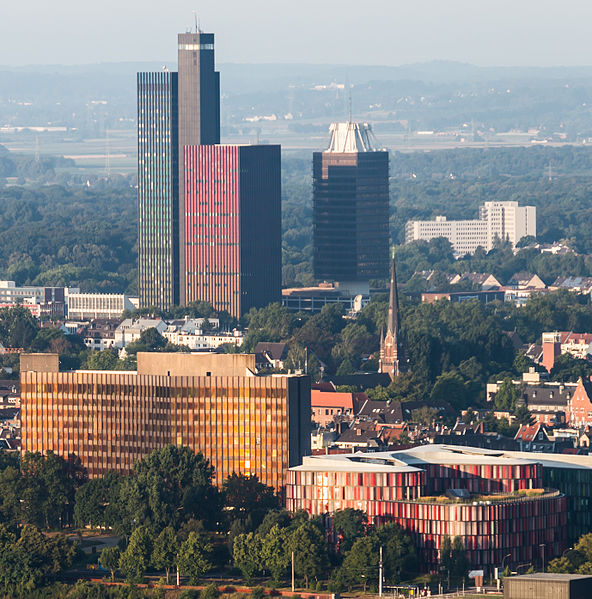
[(212, 403), (497, 221)]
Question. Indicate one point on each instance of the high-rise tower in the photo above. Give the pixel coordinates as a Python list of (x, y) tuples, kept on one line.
[(209, 214), (175, 110), (393, 350), (158, 189), (233, 248), (351, 206), (199, 113)]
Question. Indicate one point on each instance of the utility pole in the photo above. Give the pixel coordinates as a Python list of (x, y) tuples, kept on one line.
[(293, 586), (380, 573)]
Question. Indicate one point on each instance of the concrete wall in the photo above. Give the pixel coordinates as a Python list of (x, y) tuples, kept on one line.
[(40, 363), (179, 364)]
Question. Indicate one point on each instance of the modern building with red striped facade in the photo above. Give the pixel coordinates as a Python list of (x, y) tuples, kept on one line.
[(232, 226), (502, 511)]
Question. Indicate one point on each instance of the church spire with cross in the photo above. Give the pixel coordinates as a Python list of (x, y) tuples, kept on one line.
[(393, 351)]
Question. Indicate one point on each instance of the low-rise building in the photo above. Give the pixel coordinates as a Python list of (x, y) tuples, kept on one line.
[(271, 355), (497, 221), (200, 334), (534, 437), (483, 280), (526, 280), (328, 406), (40, 301), (504, 509), (575, 284), (313, 299), (485, 297), (95, 306), (130, 330), (557, 343)]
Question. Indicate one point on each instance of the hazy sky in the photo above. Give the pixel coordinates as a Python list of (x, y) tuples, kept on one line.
[(389, 32)]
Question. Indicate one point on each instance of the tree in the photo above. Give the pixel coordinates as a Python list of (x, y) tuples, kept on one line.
[(96, 503), (18, 328), (28, 561), (345, 368), (166, 548), (135, 560), (451, 388), (282, 517), (247, 554), (310, 551), (274, 553), (164, 481), (193, 557), (460, 561), (109, 559), (10, 496), (523, 415), (48, 487), (361, 562), (566, 368), (150, 341), (102, 360), (349, 524), (507, 396), (446, 563), (246, 495), (400, 558), (425, 415)]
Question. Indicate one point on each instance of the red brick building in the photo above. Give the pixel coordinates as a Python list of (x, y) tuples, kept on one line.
[(579, 410)]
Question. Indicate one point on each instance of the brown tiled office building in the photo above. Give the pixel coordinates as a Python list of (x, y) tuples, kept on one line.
[(212, 403)]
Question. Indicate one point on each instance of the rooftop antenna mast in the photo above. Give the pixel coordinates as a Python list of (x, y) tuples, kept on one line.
[(197, 24), (350, 107)]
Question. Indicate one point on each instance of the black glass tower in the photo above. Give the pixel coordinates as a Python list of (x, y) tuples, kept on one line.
[(351, 206)]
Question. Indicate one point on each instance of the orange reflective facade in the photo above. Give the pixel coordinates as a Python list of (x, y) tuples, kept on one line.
[(243, 424)]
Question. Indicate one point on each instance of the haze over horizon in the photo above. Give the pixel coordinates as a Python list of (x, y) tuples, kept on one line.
[(379, 32)]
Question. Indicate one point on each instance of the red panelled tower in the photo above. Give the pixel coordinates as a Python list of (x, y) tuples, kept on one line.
[(232, 226)]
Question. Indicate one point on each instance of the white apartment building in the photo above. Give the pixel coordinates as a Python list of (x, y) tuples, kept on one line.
[(200, 334), (89, 306), (497, 220)]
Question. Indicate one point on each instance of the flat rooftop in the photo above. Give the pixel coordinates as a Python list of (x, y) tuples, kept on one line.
[(549, 577)]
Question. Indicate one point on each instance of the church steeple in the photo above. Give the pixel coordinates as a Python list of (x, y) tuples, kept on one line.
[(393, 352), (393, 322)]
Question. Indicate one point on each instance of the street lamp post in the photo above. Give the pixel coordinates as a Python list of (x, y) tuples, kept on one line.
[(380, 574), (504, 560)]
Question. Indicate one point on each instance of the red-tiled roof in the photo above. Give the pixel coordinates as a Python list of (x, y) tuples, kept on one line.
[(527, 432), (331, 400)]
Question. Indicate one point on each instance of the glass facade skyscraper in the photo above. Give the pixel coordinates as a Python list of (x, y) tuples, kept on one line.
[(351, 206), (158, 189)]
